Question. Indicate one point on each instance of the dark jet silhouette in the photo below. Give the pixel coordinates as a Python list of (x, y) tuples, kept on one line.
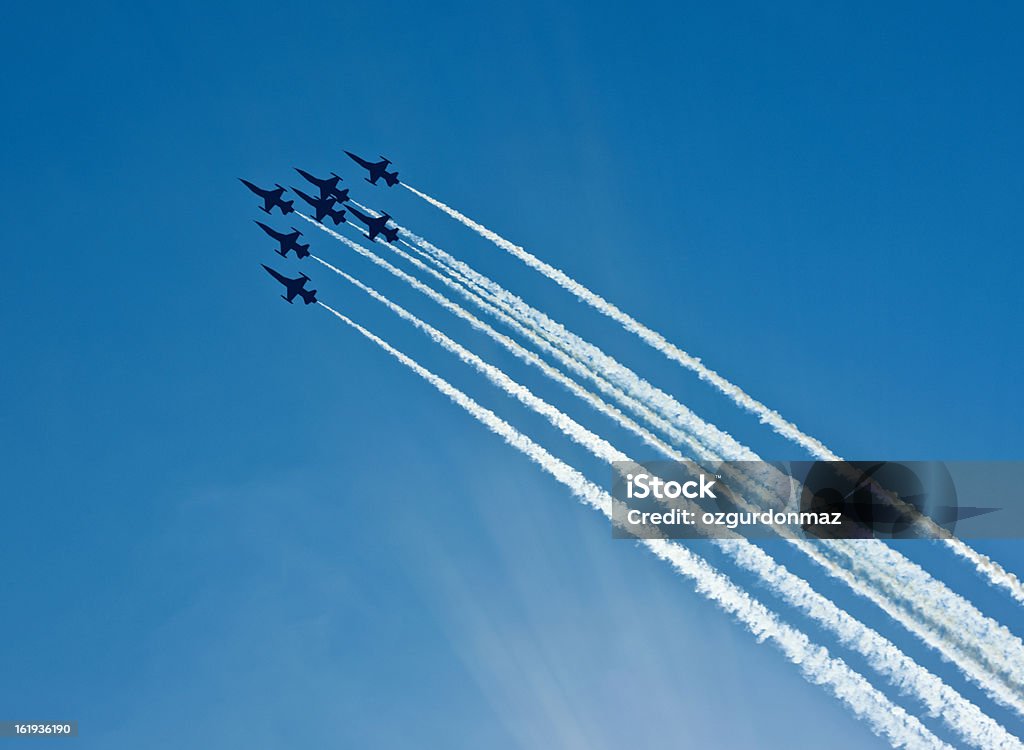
[(377, 225), (271, 198), (323, 207), (328, 187), (294, 287), (287, 241), (376, 169)]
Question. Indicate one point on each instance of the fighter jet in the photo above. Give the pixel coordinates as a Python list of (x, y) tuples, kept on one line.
[(328, 186), (287, 241), (271, 198), (376, 170), (322, 206), (294, 287), (376, 226)]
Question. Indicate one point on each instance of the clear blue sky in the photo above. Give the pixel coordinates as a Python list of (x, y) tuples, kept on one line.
[(232, 523)]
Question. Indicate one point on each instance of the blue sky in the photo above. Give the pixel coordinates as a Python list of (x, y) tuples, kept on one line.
[(233, 523)]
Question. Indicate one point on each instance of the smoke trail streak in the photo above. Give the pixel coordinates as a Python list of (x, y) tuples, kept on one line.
[(649, 336), (984, 650), (637, 407), (519, 351), (624, 378), (963, 717), (884, 717), (598, 446), (990, 569), (944, 626), (985, 662), (465, 290)]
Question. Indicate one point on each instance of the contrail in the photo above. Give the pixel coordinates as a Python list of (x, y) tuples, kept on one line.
[(883, 716), (945, 630), (963, 717), (598, 446), (510, 344), (649, 336), (939, 699), (621, 376), (949, 614), (566, 359), (987, 567), (984, 650)]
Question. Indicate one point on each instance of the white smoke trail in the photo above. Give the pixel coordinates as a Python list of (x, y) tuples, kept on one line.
[(649, 336), (985, 650), (624, 378), (598, 446), (963, 717), (566, 359), (981, 648), (983, 564), (989, 568), (514, 347), (951, 621), (884, 717), (925, 607)]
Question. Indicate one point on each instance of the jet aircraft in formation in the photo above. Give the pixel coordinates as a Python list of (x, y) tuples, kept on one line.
[(328, 186), (323, 207), (287, 241), (294, 287), (331, 202), (271, 198), (376, 169), (375, 226)]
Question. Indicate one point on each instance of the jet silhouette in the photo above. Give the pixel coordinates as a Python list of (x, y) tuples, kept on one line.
[(377, 225), (287, 241), (271, 198), (328, 186), (294, 287), (376, 169), (323, 207)]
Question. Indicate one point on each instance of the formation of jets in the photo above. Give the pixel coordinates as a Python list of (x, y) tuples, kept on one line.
[(329, 201)]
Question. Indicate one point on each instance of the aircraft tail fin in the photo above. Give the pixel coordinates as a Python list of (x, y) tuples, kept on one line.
[(391, 233), (338, 217), (287, 207), (301, 251), (308, 296), (391, 178)]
